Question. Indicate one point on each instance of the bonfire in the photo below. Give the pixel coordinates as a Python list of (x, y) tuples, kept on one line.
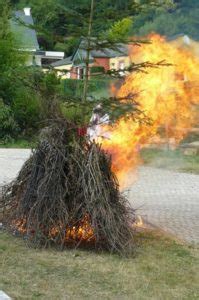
[(67, 195)]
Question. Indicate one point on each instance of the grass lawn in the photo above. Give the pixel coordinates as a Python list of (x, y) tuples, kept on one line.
[(21, 143), (159, 269), (172, 160)]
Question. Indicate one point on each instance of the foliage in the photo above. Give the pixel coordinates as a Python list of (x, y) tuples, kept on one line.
[(73, 87), (64, 22), (119, 30), (19, 143), (23, 89), (111, 39), (26, 92), (97, 70), (4, 21), (26, 109), (182, 18), (8, 125), (73, 113), (10, 58), (34, 96)]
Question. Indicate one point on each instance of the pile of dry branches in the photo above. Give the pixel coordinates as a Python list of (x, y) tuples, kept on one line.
[(66, 194)]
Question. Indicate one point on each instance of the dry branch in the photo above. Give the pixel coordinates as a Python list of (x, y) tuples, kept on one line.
[(67, 194)]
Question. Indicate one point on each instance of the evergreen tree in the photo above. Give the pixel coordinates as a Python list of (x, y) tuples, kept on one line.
[(10, 58), (182, 18), (60, 23)]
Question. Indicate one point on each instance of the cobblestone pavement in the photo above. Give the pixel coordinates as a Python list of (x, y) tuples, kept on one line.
[(166, 199), (11, 161)]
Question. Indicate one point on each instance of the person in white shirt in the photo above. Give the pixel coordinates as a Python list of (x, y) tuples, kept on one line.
[(96, 128)]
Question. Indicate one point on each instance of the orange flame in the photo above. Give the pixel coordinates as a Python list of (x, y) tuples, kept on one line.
[(168, 95), (139, 222), (83, 231)]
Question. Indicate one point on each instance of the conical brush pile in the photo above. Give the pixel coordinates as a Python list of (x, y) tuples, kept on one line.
[(67, 195)]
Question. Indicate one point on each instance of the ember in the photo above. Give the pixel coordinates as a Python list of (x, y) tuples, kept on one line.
[(139, 222), (81, 232)]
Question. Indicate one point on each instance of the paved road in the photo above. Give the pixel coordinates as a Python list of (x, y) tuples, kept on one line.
[(11, 161), (168, 200)]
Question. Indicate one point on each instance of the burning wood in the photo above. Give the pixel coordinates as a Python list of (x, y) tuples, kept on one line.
[(67, 194), (82, 231)]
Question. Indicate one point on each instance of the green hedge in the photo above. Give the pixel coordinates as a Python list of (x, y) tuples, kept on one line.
[(97, 70), (8, 125), (74, 87)]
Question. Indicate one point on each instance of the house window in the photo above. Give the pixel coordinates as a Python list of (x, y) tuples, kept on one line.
[(80, 73), (121, 65)]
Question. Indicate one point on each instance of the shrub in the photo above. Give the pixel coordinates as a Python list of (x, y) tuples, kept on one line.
[(26, 108), (97, 69), (74, 87), (8, 126)]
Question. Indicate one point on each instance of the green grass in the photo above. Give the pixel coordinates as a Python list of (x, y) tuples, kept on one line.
[(21, 143), (159, 269), (171, 160)]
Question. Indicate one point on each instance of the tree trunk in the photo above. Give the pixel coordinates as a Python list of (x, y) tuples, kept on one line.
[(88, 46)]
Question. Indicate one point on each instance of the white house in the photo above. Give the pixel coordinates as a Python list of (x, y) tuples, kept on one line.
[(22, 25)]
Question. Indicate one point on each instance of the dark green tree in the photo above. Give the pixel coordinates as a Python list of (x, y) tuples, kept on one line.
[(19, 99), (10, 57), (181, 18), (60, 23)]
